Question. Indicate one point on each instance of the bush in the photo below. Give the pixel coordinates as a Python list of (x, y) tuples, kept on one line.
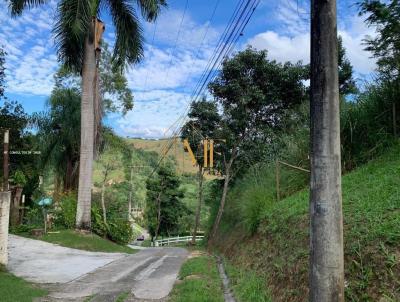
[(120, 231), (116, 229), (98, 225), (34, 217), (22, 228), (66, 213)]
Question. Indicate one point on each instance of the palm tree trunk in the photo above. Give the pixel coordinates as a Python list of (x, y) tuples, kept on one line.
[(326, 234), (200, 201), (83, 215)]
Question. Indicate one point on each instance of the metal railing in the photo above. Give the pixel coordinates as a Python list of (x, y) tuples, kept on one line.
[(178, 239)]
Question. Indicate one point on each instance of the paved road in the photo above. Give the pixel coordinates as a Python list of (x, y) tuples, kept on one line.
[(146, 275)]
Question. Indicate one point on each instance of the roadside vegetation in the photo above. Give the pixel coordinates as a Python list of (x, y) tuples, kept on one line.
[(247, 285), (199, 281), (14, 289), (278, 250)]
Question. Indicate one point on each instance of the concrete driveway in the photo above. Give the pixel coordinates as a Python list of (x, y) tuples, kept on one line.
[(146, 275), (43, 262)]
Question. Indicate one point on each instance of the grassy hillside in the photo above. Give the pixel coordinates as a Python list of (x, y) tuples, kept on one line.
[(176, 153), (278, 250)]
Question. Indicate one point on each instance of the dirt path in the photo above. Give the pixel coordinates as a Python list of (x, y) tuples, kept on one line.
[(148, 275)]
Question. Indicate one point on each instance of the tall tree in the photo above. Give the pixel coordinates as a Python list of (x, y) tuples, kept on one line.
[(164, 206), (58, 135), (384, 16), (253, 93), (347, 84), (113, 149), (326, 239), (203, 123), (77, 32)]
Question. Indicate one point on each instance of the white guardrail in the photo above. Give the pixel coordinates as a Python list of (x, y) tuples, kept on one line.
[(171, 240)]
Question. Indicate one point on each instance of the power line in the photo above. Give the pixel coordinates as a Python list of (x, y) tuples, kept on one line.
[(225, 46)]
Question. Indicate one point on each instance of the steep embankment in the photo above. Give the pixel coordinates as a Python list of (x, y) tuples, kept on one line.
[(278, 251)]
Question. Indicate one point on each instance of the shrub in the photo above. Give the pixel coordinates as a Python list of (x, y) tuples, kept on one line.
[(65, 214), (120, 231), (22, 228), (34, 217), (116, 229)]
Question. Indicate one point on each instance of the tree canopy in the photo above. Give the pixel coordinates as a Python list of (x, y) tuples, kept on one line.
[(164, 206)]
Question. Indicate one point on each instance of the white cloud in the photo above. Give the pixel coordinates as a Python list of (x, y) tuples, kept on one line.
[(291, 42), (30, 63), (154, 112), (283, 48), (174, 61)]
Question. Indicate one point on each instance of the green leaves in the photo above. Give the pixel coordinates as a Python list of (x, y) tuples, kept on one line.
[(164, 194), (150, 8), (17, 6), (385, 17), (129, 35), (71, 28)]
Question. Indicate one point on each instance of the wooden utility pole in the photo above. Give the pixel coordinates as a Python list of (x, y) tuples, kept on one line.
[(6, 159), (326, 236)]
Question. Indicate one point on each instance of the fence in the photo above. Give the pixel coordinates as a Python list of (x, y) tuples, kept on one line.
[(178, 239)]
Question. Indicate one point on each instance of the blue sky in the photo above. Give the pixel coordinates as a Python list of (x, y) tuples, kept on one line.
[(163, 81)]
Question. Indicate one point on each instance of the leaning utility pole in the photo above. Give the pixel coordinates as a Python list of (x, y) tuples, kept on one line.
[(326, 257)]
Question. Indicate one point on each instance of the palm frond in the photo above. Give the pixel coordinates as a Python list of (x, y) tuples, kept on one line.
[(129, 35), (150, 8), (71, 29), (18, 6)]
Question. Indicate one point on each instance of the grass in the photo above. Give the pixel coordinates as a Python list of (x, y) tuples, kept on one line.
[(14, 289), (279, 249), (89, 242), (199, 281), (247, 285), (122, 297)]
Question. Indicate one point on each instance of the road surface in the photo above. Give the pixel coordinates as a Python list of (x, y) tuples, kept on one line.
[(72, 275)]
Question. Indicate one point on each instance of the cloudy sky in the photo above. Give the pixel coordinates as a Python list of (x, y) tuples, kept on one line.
[(184, 40)]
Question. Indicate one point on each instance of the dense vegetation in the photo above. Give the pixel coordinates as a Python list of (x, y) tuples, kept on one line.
[(265, 232)]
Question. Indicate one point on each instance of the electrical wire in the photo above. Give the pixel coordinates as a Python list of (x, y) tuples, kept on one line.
[(225, 46)]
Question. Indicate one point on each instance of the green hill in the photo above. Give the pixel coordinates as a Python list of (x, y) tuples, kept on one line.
[(175, 152), (278, 250)]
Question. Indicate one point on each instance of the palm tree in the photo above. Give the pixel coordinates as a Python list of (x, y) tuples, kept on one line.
[(59, 133), (77, 34)]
